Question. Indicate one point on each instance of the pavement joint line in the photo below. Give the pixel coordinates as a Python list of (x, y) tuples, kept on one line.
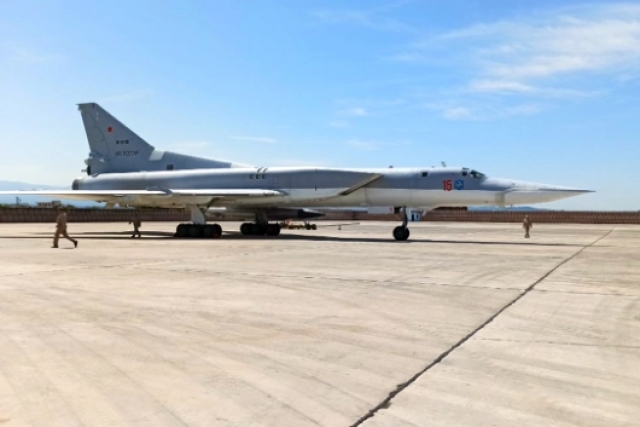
[(606, 294), (386, 402), (354, 280), (577, 344)]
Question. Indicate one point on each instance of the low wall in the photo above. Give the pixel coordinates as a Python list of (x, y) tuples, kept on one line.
[(91, 215), (8, 215), (575, 217)]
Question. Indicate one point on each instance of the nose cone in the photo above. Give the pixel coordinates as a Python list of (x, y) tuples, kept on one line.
[(525, 193)]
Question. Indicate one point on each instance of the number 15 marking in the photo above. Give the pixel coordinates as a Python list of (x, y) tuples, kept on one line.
[(446, 185)]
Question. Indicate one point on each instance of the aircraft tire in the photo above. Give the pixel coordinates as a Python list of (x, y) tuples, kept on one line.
[(181, 230), (208, 231), (195, 231), (217, 230), (246, 229), (273, 230), (401, 233), (258, 230)]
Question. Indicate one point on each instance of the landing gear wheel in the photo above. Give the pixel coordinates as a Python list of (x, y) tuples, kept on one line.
[(208, 231), (258, 229), (181, 230), (401, 233), (245, 229), (217, 230), (195, 230), (273, 229)]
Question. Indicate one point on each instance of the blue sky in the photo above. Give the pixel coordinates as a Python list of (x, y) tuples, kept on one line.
[(541, 91)]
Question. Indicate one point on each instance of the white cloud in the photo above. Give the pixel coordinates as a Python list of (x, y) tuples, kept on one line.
[(338, 123), (516, 88), (255, 139), (377, 18), (20, 54), (501, 86), (598, 39), (522, 110), (558, 53), (484, 111), (555, 54), (362, 145), (457, 113), (356, 112), (409, 57)]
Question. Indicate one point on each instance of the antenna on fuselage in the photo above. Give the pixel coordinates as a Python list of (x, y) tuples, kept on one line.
[(444, 165)]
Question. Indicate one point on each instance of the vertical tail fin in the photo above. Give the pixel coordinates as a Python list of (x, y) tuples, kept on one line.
[(114, 147)]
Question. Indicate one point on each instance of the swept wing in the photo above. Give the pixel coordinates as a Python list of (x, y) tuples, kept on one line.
[(158, 194)]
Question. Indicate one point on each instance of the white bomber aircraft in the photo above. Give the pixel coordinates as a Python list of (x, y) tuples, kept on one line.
[(124, 169)]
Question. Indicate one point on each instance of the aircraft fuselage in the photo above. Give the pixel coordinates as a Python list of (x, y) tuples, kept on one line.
[(329, 187)]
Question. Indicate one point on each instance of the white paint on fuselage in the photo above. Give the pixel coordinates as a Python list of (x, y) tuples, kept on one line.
[(311, 198), (307, 193)]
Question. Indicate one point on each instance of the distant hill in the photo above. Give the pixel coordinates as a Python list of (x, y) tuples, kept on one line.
[(34, 200), (15, 185)]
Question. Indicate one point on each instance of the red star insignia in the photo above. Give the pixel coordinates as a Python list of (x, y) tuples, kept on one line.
[(109, 129)]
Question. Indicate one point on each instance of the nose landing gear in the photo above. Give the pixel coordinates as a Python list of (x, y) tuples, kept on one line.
[(401, 232)]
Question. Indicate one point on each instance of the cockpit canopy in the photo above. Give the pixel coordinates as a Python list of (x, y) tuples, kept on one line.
[(473, 173)]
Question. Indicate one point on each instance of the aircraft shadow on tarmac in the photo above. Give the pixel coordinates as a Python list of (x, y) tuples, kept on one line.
[(162, 235)]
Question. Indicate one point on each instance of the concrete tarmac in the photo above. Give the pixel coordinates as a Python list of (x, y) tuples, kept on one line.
[(462, 325)]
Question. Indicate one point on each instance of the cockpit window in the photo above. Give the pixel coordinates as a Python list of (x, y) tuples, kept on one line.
[(477, 175)]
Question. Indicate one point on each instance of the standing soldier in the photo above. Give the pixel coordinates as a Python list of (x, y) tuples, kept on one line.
[(526, 224), (136, 225), (61, 228)]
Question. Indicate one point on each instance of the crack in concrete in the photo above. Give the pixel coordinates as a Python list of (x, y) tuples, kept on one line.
[(386, 403), (605, 294)]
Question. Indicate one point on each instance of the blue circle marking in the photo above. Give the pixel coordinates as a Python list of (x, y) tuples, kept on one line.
[(459, 184)]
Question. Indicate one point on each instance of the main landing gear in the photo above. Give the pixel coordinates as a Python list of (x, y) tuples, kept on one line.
[(195, 231), (257, 229), (401, 232), (261, 227), (199, 228)]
